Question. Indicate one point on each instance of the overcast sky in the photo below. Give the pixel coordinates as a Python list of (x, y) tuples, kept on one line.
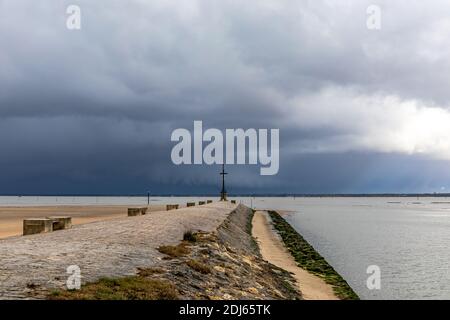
[(92, 110)]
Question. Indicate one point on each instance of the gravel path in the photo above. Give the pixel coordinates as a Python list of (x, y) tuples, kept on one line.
[(30, 265)]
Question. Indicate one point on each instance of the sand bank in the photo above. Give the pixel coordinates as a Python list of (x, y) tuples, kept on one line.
[(273, 250), (11, 218)]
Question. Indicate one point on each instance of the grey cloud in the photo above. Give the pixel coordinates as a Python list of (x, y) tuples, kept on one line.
[(93, 109)]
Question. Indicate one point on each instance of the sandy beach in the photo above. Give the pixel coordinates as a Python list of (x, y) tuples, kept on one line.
[(273, 250), (11, 218)]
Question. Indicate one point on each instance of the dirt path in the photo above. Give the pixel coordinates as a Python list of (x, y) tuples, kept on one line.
[(273, 250), (32, 264)]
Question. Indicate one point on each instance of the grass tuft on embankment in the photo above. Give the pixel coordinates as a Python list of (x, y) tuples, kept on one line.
[(177, 251), (128, 288), (309, 259)]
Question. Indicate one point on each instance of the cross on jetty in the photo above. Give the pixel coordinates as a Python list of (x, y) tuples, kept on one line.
[(223, 193)]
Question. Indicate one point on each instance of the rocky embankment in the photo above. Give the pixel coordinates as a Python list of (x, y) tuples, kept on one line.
[(222, 264)]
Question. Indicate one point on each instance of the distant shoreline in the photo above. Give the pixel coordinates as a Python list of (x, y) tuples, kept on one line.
[(325, 195)]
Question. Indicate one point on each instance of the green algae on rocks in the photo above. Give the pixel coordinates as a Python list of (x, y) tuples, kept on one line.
[(309, 259)]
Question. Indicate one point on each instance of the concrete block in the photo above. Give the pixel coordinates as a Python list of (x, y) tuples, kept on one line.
[(201, 203), (172, 207), (61, 223), (209, 201), (190, 204), (233, 201), (133, 212), (37, 225)]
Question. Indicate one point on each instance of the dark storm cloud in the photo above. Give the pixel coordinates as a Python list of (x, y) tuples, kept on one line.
[(92, 110)]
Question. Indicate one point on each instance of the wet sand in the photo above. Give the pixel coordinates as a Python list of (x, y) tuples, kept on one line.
[(273, 250), (11, 218)]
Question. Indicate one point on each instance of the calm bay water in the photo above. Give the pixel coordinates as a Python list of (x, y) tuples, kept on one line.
[(408, 238)]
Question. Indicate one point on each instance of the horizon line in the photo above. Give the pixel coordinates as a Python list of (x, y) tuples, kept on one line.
[(305, 195)]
